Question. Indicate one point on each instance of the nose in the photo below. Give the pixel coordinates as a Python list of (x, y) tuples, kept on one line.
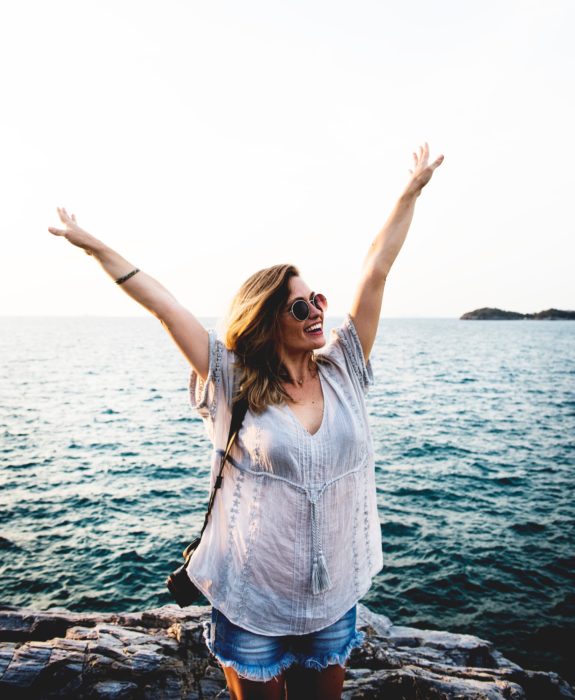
[(315, 314)]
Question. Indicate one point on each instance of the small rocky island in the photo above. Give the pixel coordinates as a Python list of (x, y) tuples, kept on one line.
[(160, 655), (489, 314)]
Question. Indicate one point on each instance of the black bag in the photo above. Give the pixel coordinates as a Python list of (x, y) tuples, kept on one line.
[(182, 588)]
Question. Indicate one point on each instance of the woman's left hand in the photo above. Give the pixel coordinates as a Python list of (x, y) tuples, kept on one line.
[(422, 170)]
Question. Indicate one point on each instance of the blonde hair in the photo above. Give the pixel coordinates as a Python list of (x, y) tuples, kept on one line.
[(253, 333)]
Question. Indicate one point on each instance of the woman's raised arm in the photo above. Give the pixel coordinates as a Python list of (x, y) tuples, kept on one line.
[(366, 305), (185, 329)]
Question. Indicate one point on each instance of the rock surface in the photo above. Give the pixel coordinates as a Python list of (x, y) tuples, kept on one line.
[(491, 314), (160, 654)]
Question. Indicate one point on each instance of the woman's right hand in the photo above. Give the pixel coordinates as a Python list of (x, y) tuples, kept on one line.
[(186, 331), (73, 233)]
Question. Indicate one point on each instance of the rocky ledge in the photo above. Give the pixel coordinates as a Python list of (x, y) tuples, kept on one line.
[(160, 654), (490, 314)]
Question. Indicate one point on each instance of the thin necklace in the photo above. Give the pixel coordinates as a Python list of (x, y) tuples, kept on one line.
[(313, 374)]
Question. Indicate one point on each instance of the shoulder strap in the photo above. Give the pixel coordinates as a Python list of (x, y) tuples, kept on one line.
[(239, 411)]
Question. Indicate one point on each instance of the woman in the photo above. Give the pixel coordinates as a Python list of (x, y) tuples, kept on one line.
[(293, 539)]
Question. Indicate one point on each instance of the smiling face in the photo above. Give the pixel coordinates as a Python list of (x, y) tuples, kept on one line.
[(301, 336)]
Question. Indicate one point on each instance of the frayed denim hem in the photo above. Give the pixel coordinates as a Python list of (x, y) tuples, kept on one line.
[(318, 664), (249, 671)]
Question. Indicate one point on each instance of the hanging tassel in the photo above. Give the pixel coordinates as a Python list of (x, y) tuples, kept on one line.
[(320, 580)]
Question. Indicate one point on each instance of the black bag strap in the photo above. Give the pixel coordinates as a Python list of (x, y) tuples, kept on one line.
[(239, 411)]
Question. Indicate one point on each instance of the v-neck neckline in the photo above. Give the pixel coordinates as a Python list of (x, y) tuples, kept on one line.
[(297, 420)]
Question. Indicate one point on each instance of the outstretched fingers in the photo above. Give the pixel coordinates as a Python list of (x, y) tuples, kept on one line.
[(421, 159), (437, 162), (424, 150), (422, 169), (66, 219), (63, 214)]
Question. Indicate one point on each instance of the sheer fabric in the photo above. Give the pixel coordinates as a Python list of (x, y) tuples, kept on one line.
[(293, 539)]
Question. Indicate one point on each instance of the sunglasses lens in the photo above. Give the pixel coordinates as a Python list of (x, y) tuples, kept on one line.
[(300, 310), (320, 302)]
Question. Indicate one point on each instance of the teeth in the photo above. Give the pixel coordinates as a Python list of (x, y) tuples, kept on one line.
[(315, 327)]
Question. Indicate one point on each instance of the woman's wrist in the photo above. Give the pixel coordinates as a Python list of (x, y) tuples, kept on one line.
[(112, 262), (410, 194), (89, 244), (97, 248)]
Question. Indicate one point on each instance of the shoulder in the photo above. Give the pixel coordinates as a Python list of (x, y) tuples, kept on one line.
[(344, 351), (218, 387)]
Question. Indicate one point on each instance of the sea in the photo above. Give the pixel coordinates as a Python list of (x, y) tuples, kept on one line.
[(104, 473)]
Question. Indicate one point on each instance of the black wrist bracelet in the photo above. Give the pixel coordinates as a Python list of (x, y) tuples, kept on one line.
[(121, 280)]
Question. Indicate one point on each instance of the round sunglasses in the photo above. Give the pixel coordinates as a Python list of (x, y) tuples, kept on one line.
[(301, 310)]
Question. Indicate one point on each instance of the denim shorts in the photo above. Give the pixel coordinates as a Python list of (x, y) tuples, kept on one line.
[(259, 658)]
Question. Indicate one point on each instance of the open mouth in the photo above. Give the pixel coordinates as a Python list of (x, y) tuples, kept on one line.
[(316, 329)]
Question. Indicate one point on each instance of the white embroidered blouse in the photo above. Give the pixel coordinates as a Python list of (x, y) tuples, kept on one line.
[(293, 539)]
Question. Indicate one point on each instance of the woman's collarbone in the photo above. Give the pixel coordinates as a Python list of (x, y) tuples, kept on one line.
[(308, 407)]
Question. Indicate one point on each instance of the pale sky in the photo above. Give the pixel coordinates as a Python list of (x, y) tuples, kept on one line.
[(204, 141)]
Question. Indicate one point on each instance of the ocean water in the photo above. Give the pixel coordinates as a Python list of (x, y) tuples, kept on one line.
[(104, 469)]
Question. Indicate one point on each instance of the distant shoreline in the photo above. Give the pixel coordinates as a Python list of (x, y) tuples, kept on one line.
[(492, 314)]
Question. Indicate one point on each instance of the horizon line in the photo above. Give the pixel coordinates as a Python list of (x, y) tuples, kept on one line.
[(331, 316)]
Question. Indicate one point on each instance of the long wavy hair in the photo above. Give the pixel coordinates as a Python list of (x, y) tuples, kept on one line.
[(253, 333)]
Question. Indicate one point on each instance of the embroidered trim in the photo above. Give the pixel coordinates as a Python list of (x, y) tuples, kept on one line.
[(252, 532), (366, 523), (354, 352), (199, 390), (234, 510), (217, 374), (297, 486), (354, 542)]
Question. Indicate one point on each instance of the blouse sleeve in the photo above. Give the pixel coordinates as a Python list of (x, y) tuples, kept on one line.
[(345, 348), (211, 396)]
